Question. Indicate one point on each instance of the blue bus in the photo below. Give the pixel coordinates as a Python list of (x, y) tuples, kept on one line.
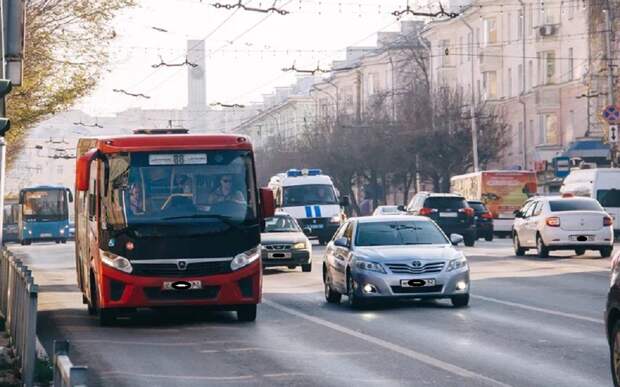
[(44, 214), (9, 225)]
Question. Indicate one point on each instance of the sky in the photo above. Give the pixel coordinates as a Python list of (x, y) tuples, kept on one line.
[(241, 62)]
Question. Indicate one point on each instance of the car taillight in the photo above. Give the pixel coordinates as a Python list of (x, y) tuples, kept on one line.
[(467, 211), (487, 215), (426, 211), (608, 221), (553, 221)]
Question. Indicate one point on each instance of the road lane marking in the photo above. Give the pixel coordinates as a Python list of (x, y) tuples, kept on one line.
[(175, 377), (149, 343), (541, 310), (428, 360), (275, 350)]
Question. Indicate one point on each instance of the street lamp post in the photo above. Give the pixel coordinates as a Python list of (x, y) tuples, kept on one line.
[(474, 127)]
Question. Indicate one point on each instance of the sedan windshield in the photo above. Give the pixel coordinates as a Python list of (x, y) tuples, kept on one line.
[(300, 195), (180, 187), (399, 233), (281, 223)]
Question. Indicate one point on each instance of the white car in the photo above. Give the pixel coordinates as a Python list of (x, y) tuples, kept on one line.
[(562, 223), (387, 210)]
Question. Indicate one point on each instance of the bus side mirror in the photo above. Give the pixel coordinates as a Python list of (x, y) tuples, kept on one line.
[(70, 195), (82, 170), (21, 198), (268, 208), (345, 201)]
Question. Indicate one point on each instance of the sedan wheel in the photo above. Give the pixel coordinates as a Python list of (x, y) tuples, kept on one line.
[(543, 251), (355, 301), (615, 353), (331, 296), (519, 251)]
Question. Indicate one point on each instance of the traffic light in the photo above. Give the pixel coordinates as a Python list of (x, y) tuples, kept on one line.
[(5, 89)]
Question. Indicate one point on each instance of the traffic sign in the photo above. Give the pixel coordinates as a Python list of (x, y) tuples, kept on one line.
[(612, 136), (561, 166), (612, 114)]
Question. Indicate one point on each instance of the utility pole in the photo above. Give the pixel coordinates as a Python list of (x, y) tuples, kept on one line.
[(472, 108), (610, 74)]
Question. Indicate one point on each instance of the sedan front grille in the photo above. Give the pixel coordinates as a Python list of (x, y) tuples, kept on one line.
[(277, 247), (408, 268)]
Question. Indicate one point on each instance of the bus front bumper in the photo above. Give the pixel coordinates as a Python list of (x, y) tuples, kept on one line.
[(121, 290)]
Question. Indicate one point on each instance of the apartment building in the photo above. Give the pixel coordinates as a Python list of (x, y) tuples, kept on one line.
[(541, 63)]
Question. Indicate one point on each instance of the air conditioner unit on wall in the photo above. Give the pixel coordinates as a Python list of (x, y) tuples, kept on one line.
[(546, 30)]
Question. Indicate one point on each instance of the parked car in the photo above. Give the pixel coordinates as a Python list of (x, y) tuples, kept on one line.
[(387, 210), (392, 257), (450, 211), (612, 319), (285, 244), (484, 220), (562, 223)]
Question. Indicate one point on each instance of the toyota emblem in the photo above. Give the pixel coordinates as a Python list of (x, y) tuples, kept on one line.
[(182, 265), (416, 264)]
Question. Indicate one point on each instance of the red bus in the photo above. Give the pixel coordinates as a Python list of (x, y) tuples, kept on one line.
[(168, 220)]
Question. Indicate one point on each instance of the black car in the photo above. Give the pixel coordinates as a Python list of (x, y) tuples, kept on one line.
[(450, 211), (484, 220), (612, 319)]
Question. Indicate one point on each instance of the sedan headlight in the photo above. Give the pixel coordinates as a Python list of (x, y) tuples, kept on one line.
[(335, 219), (117, 262), (245, 258), (456, 264), (370, 266), (300, 246)]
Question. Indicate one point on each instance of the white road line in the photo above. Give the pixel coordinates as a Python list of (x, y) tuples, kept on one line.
[(175, 377), (541, 310), (428, 360)]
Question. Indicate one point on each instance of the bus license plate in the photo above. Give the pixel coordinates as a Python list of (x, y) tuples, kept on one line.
[(182, 285), (416, 283), (315, 226), (46, 235)]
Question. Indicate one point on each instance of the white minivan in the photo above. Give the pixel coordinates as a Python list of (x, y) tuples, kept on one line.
[(602, 184)]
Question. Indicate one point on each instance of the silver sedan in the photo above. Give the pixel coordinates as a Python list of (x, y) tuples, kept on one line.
[(393, 257)]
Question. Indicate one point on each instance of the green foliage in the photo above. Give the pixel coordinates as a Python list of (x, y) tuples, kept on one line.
[(66, 52)]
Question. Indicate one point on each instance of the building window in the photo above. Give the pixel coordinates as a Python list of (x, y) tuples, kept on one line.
[(571, 64), (478, 37), (470, 46), (530, 132), (546, 67), (520, 21), (489, 84), (509, 83), (479, 90), (530, 19), (549, 132), (508, 27), (520, 78), (490, 31), (461, 49), (572, 4), (530, 74)]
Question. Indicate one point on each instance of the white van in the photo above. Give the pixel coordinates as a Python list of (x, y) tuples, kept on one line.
[(310, 197), (602, 184)]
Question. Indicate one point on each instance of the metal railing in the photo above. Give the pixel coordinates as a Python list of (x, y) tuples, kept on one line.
[(18, 306), (65, 373)]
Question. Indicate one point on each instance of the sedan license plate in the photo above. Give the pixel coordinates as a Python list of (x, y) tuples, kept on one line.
[(417, 283), (182, 285), (448, 214), (46, 235), (315, 226), (581, 238), (279, 255)]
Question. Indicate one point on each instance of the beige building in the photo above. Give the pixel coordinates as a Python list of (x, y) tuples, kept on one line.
[(539, 62)]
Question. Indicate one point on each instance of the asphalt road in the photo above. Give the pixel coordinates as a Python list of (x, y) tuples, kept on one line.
[(531, 322)]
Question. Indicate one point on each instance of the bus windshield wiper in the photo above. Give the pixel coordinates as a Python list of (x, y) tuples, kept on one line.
[(224, 219)]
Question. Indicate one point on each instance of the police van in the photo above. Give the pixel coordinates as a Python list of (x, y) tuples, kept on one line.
[(310, 197)]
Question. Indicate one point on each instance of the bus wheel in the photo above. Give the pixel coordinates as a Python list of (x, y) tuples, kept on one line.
[(63, 241), (57, 242), (246, 313)]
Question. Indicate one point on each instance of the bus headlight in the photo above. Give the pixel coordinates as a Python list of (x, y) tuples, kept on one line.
[(117, 262), (245, 258), (62, 231)]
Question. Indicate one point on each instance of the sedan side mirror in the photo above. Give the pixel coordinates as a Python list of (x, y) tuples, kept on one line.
[(518, 214), (456, 239), (341, 242), (402, 208)]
